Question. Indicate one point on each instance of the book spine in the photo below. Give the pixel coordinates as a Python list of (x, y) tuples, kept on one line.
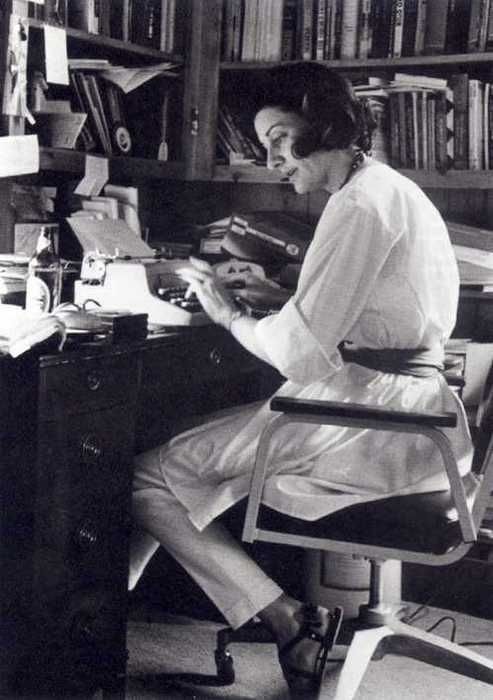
[(364, 29), (305, 30), (489, 33), (409, 31), (320, 29), (381, 20), (431, 109), (419, 39), (475, 142), (486, 133), (436, 27), (288, 35), (349, 29), (474, 25), (441, 131), (423, 131), (227, 30), (395, 156), (490, 126), (336, 29), (403, 156), (397, 26), (459, 83)]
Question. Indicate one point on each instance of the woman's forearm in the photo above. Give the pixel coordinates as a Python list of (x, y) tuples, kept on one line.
[(243, 329)]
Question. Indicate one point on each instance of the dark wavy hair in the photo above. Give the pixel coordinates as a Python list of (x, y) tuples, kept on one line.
[(325, 99)]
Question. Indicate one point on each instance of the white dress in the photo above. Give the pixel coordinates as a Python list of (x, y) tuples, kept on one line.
[(381, 273)]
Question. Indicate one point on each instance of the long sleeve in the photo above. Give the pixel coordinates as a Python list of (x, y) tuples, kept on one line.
[(348, 252)]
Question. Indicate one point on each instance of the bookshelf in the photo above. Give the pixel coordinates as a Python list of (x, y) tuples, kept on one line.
[(204, 70), (449, 46)]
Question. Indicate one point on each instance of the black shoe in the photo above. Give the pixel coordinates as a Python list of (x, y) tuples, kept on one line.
[(302, 683)]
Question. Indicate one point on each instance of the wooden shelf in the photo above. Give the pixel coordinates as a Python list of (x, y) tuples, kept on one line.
[(363, 65), (120, 168), (428, 179), (106, 44)]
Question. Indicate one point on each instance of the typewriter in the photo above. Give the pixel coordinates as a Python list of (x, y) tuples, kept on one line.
[(144, 285)]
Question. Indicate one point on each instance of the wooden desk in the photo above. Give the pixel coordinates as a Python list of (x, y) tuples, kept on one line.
[(70, 424)]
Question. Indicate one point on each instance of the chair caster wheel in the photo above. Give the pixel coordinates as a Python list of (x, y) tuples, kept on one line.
[(225, 668)]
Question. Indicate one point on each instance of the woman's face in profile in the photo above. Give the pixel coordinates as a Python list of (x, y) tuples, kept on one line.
[(278, 131)]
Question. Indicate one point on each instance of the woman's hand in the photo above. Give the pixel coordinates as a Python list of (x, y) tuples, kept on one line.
[(215, 299)]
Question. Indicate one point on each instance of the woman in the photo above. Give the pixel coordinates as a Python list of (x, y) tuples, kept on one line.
[(380, 277)]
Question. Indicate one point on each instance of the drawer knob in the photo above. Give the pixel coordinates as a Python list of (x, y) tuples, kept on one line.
[(94, 380), (215, 356), (91, 452), (86, 536)]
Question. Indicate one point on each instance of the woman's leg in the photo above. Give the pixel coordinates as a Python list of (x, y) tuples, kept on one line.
[(215, 560)]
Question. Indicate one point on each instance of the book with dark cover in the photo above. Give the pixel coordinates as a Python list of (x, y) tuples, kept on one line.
[(436, 27), (410, 21), (459, 82), (267, 237), (288, 31), (380, 20), (459, 13)]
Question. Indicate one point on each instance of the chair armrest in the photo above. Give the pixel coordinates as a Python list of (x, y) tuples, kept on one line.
[(325, 409)]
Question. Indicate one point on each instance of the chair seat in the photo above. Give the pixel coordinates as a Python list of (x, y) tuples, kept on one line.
[(424, 523)]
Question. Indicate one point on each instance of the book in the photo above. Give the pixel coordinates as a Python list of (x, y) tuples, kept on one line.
[(320, 33), (475, 125), (409, 27), (419, 38), (477, 19), (459, 83), (458, 19), (436, 27), (421, 81), (20, 331), (441, 133), (395, 154), (349, 29), (365, 29), (288, 31), (231, 30), (380, 21), (397, 26), (82, 15), (267, 237), (305, 30)]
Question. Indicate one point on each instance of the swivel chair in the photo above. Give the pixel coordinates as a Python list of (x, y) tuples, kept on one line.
[(430, 528)]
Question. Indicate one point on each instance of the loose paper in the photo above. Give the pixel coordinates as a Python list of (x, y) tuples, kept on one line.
[(95, 178), (108, 236), (15, 88), (59, 129), (19, 155), (129, 79), (56, 59)]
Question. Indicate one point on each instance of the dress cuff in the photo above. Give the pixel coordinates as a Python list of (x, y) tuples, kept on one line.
[(292, 347)]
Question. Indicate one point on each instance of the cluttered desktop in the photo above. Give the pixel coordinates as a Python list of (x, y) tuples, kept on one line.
[(120, 276)]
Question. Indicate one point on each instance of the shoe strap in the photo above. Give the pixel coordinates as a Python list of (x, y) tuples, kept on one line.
[(307, 630)]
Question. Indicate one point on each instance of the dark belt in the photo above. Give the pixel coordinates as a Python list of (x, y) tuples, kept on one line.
[(416, 362)]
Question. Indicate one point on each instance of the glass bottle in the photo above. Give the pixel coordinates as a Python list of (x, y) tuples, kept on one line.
[(44, 279)]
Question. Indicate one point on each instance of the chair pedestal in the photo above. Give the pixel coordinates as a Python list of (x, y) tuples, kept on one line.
[(384, 603), (400, 638)]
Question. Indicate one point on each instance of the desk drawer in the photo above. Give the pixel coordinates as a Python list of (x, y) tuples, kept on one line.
[(202, 358), (87, 384)]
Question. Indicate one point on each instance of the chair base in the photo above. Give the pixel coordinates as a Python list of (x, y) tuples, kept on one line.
[(399, 638)]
